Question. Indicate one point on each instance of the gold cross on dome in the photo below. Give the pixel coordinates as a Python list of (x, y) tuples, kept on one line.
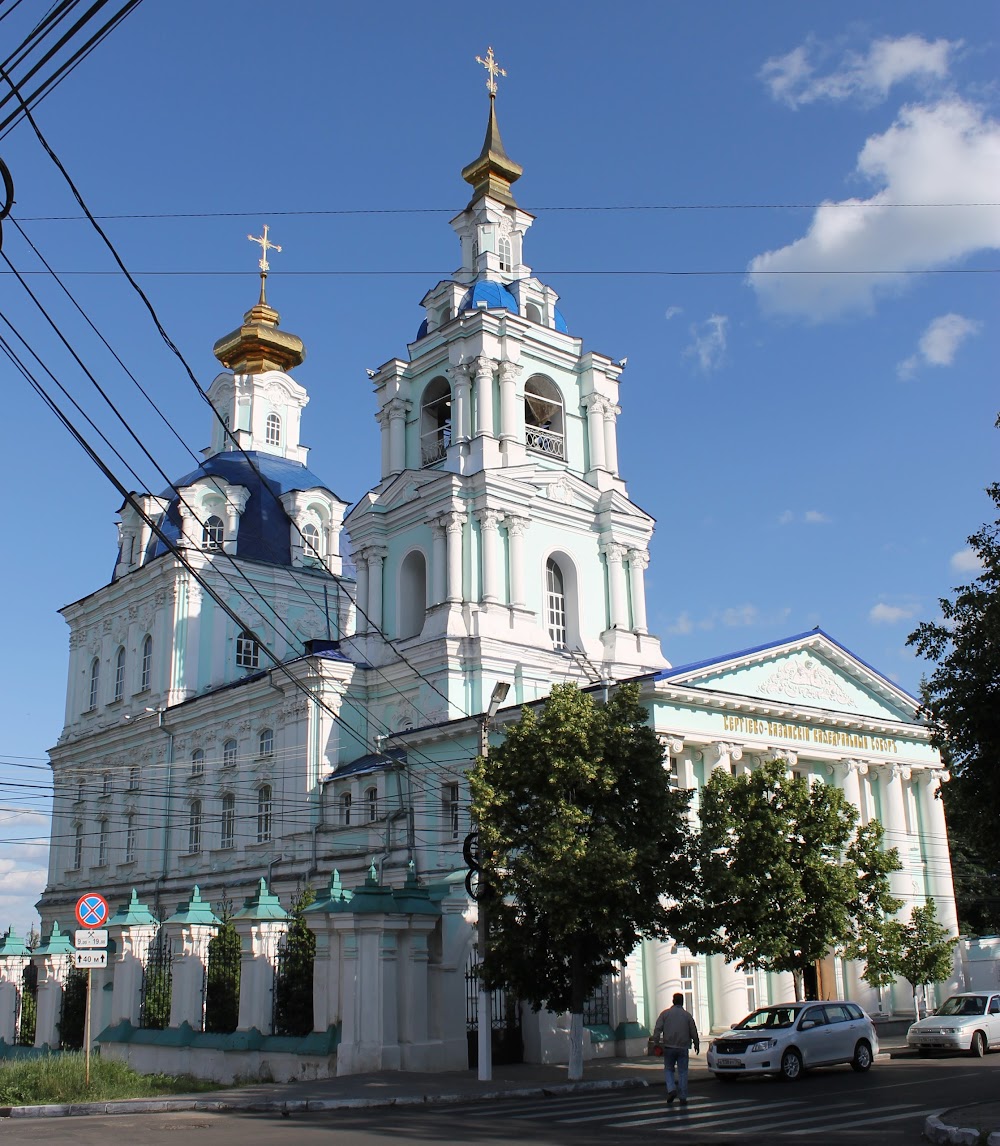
[(265, 246), (493, 69)]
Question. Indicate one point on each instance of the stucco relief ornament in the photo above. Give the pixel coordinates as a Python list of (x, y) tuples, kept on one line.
[(561, 491), (805, 680)]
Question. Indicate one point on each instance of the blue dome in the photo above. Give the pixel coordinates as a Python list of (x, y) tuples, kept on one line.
[(421, 331), (264, 534), (492, 295), (560, 322)]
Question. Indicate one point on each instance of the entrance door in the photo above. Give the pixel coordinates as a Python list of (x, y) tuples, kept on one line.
[(508, 1045)]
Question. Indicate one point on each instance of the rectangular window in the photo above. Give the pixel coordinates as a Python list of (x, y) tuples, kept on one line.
[(77, 847), (453, 810), (130, 839), (102, 844), (194, 827), (133, 779), (689, 987), (247, 652), (751, 981), (227, 838), (264, 814), (106, 784)]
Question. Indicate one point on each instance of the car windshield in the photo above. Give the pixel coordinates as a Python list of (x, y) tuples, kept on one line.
[(963, 1005), (770, 1018)]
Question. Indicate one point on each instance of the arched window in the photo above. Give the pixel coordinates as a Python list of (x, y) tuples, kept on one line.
[(543, 417), (229, 754), (506, 258), (77, 847), (130, 838), (95, 684), (533, 313), (247, 651), (272, 430), (555, 604), (443, 316), (266, 742), (146, 667), (120, 674), (312, 548), (198, 762), (412, 594), (227, 836), (345, 809), (194, 827), (102, 843), (435, 421), (134, 775), (371, 799), (263, 813), (213, 533), (107, 784)]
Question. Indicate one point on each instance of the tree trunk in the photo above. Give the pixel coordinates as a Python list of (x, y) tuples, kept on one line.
[(798, 976)]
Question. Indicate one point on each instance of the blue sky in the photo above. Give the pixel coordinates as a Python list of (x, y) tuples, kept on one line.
[(814, 447)]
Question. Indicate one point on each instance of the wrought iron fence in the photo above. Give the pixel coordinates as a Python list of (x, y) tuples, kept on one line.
[(157, 985), (292, 996), (505, 1014), (597, 1009), (222, 981), (73, 1010), (26, 1007)]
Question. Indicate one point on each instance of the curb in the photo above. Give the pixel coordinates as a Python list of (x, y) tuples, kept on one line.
[(937, 1131), (301, 1105)]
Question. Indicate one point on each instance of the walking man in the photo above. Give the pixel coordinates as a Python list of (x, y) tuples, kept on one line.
[(675, 1031)]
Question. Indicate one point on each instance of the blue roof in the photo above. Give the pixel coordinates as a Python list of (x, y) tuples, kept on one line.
[(421, 330), (264, 533), (560, 322), (494, 296)]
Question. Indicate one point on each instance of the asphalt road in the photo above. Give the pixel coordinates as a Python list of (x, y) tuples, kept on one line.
[(888, 1105)]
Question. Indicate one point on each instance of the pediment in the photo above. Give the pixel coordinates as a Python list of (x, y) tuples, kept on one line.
[(810, 670)]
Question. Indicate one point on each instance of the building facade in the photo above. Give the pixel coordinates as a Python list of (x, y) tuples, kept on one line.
[(244, 703)]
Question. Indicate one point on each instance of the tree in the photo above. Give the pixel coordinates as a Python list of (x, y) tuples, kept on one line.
[(962, 696), (583, 839), (782, 875), (222, 978), (293, 985), (927, 950)]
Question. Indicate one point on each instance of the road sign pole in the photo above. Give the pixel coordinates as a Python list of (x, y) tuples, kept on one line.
[(86, 1035)]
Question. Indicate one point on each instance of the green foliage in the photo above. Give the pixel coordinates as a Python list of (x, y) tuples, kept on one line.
[(926, 950), (962, 699), (782, 874), (73, 1015), (60, 1078), (293, 986), (26, 1026), (583, 838), (222, 980)]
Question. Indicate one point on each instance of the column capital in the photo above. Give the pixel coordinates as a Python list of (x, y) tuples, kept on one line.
[(722, 752), (373, 553), (453, 521), (673, 745), (638, 558), (614, 550), (596, 404), (397, 407), (484, 366), (489, 518), (510, 371), (516, 526), (460, 371), (785, 755)]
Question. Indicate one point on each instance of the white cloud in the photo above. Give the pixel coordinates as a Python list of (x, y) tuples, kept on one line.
[(682, 626), (883, 614), (966, 561), (786, 517), (810, 517), (740, 616), (939, 343), (793, 79), (708, 342), (672, 312), (948, 152)]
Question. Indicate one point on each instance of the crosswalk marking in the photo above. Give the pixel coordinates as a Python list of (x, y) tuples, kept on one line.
[(697, 1115), (912, 1111), (808, 1121)]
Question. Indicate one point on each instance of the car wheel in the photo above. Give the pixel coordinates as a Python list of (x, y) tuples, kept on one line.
[(978, 1048), (791, 1065), (862, 1060)]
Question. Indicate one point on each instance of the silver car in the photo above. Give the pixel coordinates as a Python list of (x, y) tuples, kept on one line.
[(791, 1037), (966, 1022)]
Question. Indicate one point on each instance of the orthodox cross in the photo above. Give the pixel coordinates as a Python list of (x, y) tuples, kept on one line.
[(265, 246), (493, 69)]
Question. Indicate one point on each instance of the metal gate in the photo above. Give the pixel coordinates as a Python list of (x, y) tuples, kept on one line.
[(26, 1007), (157, 985), (73, 1010), (508, 1045)]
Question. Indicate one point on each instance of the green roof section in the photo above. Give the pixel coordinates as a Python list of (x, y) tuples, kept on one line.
[(337, 898), (132, 914), (374, 898), (196, 910), (261, 905), (56, 944), (10, 944)]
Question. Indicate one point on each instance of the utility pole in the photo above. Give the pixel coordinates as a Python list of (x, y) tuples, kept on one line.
[(484, 1012)]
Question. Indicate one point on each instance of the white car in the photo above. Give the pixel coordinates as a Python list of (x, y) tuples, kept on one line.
[(791, 1037), (966, 1022)]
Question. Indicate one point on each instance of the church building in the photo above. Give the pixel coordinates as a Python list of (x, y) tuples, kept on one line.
[(282, 685)]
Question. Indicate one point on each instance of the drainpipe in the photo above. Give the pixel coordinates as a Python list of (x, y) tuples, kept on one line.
[(168, 816)]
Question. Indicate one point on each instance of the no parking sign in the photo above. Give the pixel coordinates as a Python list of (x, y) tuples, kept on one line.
[(91, 910)]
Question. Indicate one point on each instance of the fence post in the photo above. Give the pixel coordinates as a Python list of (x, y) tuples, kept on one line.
[(14, 957), (418, 1050), (53, 958), (328, 969), (132, 929), (190, 928), (260, 924)]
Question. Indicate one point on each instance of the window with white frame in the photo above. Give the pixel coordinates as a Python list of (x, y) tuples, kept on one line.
[(555, 604), (266, 743), (102, 843), (146, 665), (751, 981), (120, 674), (213, 533), (689, 987), (435, 421), (506, 258), (130, 838), (198, 762), (345, 809), (452, 810), (134, 776), (264, 804), (80, 792), (247, 651), (107, 784), (371, 799), (312, 550), (227, 835), (77, 847), (194, 827), (229, 754), (95, 684), (272, 430), (543, 417)]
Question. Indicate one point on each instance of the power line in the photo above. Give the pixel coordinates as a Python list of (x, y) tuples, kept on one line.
[(544, 273)]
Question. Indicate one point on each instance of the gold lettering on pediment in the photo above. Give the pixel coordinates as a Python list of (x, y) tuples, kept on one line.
[(809, 734)]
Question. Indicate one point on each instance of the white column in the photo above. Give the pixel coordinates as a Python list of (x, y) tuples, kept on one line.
[(460, 412), (190, 962), (190, 526), (439, 562), (596, 405), (397, 434), (259, 939), (515, 532), (614, 553), (11, 980), (722, 755), (361, 591), (894, 822), (382, 417), (638, 560), (488, 519), (851, 783), (729, 993), (128, 962), (509, 373), (454, 524), (376, 557), (611, 437), (484, 395), (236, 500), (936, 854)]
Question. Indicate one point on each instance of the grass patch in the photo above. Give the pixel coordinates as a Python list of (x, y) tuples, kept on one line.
[(59, 1078)]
